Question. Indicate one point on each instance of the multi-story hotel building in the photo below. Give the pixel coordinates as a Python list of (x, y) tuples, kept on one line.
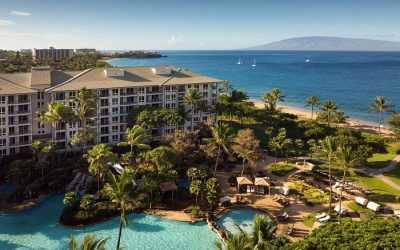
[(119, 90), (52, 54)]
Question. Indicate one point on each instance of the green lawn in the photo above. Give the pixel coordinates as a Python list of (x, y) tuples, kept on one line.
[(394, 175), (281, 168), (378, 160), (385, 193)]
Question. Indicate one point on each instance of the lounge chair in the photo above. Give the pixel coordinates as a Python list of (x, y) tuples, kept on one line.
[(321, 215), (326, 218), (248, 189)]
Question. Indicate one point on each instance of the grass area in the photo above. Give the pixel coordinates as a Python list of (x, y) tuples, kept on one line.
[(364, 212), (378, 160), (394, 175), (384, 192), (310, 193), (310, 219), (281, 168)]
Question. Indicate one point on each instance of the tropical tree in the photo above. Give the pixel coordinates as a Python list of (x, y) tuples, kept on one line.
[(195, 188), (226, 86), (89, 243), (235, 242), (312, 101), (328, 149), (346, 158), (135, 137), (191, 99), (299, 145), (381, 105), (98, 158), (328, 108), (83, 136), (286, 145), (85, 105), (86, 202), (41, 165), (394, 123), (123, 192), (271, 98), (223, 136), (69, 198), (277, 142), (182, 142), (36, 148), (212, 187), (210, 150), (246, 147)]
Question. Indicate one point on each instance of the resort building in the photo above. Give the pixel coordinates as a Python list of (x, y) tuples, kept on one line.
[(52, 54), (119, 90)]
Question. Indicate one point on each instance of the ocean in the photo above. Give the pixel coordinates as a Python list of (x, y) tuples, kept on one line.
[(351, 79)]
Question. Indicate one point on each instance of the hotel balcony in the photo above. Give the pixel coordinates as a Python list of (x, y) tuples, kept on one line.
[(19, 112), (19, 122), (20, 143), (22, 132), (22, 101)]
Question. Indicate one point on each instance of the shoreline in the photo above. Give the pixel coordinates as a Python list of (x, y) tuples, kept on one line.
[(357, 124)]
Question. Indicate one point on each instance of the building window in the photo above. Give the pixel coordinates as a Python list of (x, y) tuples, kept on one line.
[(197, 86), (3, 142), (168, 89), (167, 105), (115, 111), (205, 86), (2, 111), (173, 97), (115, 92), (2, 99), (205, 94), (60, 96), (72, 94), (2, 121), (115, 101), (167, 98), (104, 139), (2, 131), (115, 129), (104, 102), (3, 152), (115, 138), (141, 99), (141, 90), (114, 119)]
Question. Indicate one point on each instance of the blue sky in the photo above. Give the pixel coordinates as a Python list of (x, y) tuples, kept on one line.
[(190, 24)]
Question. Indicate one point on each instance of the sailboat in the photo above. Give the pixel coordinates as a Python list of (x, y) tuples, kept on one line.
[(254, 63), (307, 60), (240, 61)]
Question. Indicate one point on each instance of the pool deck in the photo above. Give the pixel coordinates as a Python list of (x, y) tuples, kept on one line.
[(177, 215)]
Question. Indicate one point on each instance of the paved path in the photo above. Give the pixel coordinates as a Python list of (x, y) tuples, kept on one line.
[(379, 172)]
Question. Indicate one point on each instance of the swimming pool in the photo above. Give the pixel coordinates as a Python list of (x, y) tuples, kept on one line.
[(6, 187), (37, 228), (240, 217)]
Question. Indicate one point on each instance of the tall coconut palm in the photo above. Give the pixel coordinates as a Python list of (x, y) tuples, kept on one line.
[(224, 136), (123, 192), (328, 149), (312, 101), (329, 108), (89, 243), (98, 158), (85, 103), (192, 97), (135, 137), (53, 115), (235, 242), (227, 86), (271, 98), (346, 159), (381, 104)]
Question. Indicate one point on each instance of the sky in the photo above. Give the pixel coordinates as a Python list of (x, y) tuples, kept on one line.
[(189, 24)]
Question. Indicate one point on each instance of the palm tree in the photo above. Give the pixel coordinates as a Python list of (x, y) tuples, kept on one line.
[(272, 97), (53, 115), (223, 135), (312, 101), (235, 242), (346, 159), (98, 158), (89, 243), (192, 97), (380, 104), (329, 107), (195, 188), (135, 137), (122, 191), (85, 104), (328, 148), (226, 85)]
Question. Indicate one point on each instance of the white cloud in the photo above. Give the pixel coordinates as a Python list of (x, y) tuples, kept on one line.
[(5, 22), (77, 30), (19, 13), (174, 40)]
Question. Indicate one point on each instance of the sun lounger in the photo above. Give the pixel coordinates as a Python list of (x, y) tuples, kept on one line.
[(326, 218), (373, 206), (319, 216), (248, 189), (397, 213)]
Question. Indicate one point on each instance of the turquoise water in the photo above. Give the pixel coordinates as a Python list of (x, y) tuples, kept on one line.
[(352, 79), (37, 229), (241, 217), (6, 187)]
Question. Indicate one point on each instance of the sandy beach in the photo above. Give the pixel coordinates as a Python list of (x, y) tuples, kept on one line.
[(352, 123)]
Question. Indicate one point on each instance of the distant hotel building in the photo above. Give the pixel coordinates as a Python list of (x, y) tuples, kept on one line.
[(84, 51), (52, 54), (119, 90)]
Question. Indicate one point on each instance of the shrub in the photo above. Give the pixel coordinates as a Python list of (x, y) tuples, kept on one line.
[(281, 169)]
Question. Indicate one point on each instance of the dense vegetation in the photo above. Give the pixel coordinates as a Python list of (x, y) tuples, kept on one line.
[(131, 54)]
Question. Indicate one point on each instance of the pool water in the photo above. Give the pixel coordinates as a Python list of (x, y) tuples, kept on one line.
[(6, 187), (37, 228), (240, 217)]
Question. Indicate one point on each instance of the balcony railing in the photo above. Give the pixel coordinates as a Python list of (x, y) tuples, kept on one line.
[(24, 132), (128, 93), (23, 101), (19, 122), (20, 143), (18, 112)]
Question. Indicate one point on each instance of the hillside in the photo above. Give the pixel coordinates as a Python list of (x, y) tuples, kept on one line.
[(330, 44)]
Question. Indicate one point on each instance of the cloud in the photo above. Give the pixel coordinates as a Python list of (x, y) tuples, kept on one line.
[(174, 40), (77, 30), (5, 22), (19, 13)]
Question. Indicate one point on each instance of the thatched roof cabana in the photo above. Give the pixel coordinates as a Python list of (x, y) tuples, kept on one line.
[(261, 182), (243, 181)]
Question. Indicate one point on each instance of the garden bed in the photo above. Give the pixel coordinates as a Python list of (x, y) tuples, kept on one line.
[(281, 169)]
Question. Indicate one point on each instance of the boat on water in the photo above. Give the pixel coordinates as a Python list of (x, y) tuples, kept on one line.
[(240, 61), (307, 60), (254, 63)]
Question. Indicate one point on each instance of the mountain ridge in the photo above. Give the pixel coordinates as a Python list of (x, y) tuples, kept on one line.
[(329, 43)]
